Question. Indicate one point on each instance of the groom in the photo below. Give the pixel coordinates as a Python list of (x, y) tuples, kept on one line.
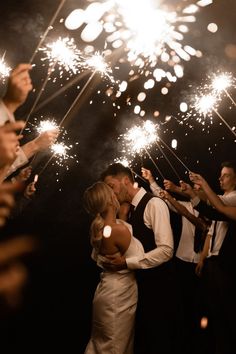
[(157, 320)]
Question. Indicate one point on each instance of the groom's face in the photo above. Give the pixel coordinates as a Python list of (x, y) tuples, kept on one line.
[(117, 185)]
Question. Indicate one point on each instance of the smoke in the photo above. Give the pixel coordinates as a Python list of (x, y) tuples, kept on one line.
[(26, 26)]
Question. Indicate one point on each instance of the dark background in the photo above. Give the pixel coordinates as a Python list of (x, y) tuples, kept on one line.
[(57, 305)]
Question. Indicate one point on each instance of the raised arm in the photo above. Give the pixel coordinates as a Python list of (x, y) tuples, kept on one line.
[(216, 202), (181, 209)]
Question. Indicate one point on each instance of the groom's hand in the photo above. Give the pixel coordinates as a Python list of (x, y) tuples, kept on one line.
[(114, 263)]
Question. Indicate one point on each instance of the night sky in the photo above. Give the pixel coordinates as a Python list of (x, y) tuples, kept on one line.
[(63, 278)]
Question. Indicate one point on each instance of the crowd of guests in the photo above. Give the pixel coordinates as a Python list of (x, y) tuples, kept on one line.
[(15, 171), (184, 302), (164, 281)]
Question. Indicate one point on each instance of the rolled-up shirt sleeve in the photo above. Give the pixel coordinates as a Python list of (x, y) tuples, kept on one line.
[(157, 218), (21, 160)]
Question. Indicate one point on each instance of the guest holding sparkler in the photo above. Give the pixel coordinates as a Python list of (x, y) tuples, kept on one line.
[(13, 273), (9, 142), (115, 299), (219, 269), (19, 86), (157, 321), (187, 256)]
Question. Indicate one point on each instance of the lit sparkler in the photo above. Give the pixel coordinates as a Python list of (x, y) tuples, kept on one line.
[(64, 53), (97, 62), (4, 69), (47, 125), (139, 138), (221, 83), (60, 149), (206, 104), (152, 33), (61, 4)]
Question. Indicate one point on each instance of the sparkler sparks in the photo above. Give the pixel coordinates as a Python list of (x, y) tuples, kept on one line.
[(140, 138), (125, 162), (97, 62), (61, 152), (47, 125), (205, 104), (223, 81), (60, 149), (65, 53), (152, 33)]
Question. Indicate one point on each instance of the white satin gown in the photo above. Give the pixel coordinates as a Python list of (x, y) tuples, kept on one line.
[(114, 307)]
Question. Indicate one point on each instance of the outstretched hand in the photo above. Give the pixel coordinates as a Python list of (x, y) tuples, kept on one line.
[(19, 86)]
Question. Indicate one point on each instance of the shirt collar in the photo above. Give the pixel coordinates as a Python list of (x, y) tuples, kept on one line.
[(138, 196)]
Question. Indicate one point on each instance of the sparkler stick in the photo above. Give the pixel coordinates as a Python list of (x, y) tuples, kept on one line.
[(154, 163), (224, 121), (174, 154), (208, 103), (46, 164), (230, 97), (68, 113), (99, 66), (77, 98), (172, 167), (51, 69), (113, 57), (135, 173), (47, 29), (60, 91)]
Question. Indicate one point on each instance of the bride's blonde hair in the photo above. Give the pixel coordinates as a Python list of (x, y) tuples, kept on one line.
[(97, 198)]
